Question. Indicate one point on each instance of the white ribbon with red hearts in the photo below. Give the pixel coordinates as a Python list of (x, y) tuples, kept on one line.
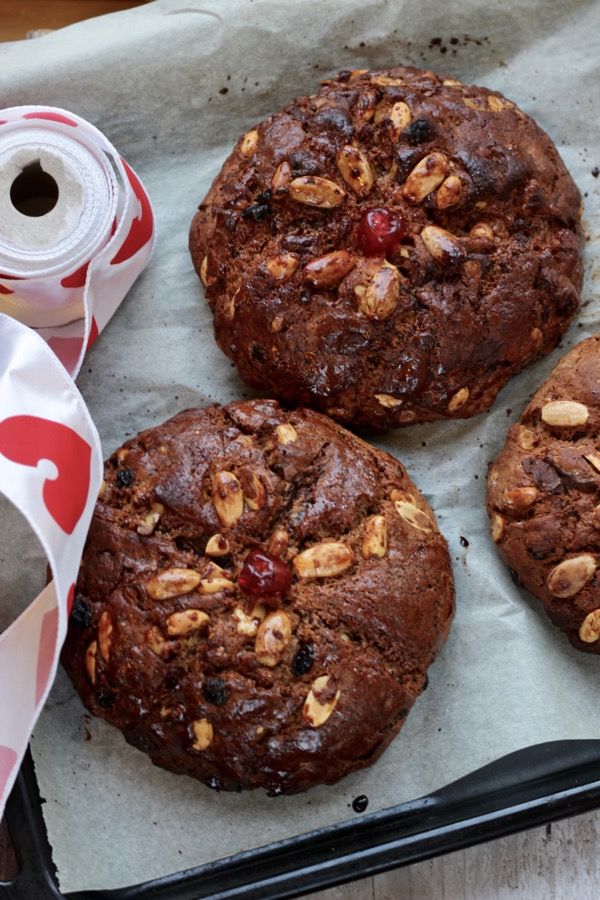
[(50, 453)]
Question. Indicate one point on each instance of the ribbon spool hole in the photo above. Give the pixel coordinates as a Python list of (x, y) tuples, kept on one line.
[(34, 192)]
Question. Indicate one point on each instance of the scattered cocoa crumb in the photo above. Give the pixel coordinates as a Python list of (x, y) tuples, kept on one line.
[(595, 171), (224, 90)]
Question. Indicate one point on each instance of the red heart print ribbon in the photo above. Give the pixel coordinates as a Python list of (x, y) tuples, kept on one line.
[(76, 230)]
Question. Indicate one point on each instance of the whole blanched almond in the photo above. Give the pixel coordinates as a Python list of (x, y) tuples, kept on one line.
[(281, 178), (217, 545), (497, 528), (594, 460), (458, 399), (397, 114), (186, 621), (315, 191), (204, 271), (248, 624), (249, 143), (323, 560), (326, 270), (151, 520), (278, 542), (589, 630), (375, 539), (255, 495), (519, 498), (570, 576), (105, 631), (382, 294), (565, 413), (497, 104), (272, 638), (355, 168), (172, 582), (483, 231), (227, 498), (526, 438), (282, 267), (449, 192), (388, 400), (286, 433), (425, 177), (387, 81), (203, 734), (415, 517), (441, 244), (214, 580), (90, 661), (316, 708)]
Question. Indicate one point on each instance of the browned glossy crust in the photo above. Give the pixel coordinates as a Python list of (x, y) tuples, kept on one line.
[(374, 628), (466, 314), (544, 491)]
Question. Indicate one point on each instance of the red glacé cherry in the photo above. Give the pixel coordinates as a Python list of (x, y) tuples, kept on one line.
[(263, 574), (379, 231)]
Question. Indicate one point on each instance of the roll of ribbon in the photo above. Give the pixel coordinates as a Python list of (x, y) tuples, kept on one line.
[(76, 229)]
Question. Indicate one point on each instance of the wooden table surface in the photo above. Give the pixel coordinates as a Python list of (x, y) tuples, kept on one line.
[(554, 863)]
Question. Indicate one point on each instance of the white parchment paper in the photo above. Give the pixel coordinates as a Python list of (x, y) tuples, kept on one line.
[(172, 85)]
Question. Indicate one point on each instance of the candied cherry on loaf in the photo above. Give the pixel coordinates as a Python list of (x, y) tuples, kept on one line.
[(379, 231), (264, 575)]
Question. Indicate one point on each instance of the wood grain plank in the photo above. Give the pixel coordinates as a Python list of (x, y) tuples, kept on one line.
[(19, 17), (559, 862)]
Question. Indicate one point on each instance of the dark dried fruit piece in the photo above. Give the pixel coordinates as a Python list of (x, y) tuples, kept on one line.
[(105, 698), (213, 783), (257, 212), (418, 132), (303, 659), (81, 614), (215, 691), (125, 478), (264, 575)]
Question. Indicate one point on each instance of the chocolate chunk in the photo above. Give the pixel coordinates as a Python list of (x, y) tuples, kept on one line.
[(545, 476)]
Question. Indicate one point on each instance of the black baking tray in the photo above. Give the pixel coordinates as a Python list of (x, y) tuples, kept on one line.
[(531, 787)]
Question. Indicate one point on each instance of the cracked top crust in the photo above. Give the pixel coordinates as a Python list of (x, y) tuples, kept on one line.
[(484, 279), (544, 496), (175, 639)]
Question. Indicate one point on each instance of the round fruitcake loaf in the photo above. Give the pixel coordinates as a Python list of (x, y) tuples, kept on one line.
[(544, 496), (260, 597), (391, 250)]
